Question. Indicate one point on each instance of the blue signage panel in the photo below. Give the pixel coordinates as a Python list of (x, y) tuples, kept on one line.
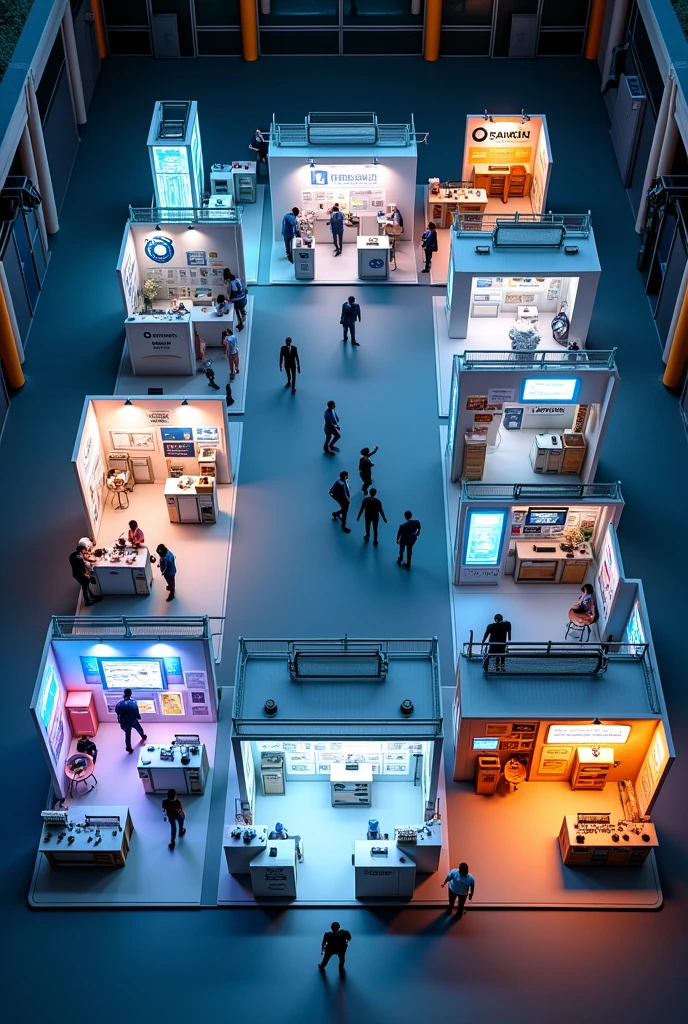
[(176, 433), (179, 449)]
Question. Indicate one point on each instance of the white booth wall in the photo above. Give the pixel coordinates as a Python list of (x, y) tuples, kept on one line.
[(69, 665), (506, 140), (291, 175), (197, 257), (143, 421), (597, 391)]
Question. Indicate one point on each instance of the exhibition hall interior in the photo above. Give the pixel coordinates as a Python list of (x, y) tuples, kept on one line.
[(358, 411)]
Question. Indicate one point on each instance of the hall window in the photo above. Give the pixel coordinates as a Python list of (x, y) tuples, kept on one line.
[(298, 12)]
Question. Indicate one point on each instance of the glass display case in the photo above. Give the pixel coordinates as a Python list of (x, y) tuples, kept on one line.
[(174, 144)]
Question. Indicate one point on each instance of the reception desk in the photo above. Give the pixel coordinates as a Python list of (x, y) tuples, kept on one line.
[(373, 257), (83, 842), (124, 571), (550, 566), (210, 325), (441, 208), (383, 874), (161, 344)]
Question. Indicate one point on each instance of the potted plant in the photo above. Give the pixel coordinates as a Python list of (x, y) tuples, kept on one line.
[(572, 536), (150, 292)]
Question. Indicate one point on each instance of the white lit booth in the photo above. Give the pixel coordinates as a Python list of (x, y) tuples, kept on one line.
[(170, 274), (104, 810), (167, 464), (368, 169), (516, 416), (574, 741), (341, 742)]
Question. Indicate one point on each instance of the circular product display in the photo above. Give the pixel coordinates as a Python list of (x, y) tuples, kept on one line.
[(524, 336)]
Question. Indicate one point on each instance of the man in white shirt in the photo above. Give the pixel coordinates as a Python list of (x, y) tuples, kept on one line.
[(461, 887)]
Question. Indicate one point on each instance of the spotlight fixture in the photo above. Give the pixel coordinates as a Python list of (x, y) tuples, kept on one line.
[(184, 402), (524, 117), (375, 161), (189, 227), (157, 227), (128, 401), (596, 721), (487, 116), (311, 162)]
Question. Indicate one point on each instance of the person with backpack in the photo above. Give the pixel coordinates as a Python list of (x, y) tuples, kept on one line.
[(239, 296), (128, 716)]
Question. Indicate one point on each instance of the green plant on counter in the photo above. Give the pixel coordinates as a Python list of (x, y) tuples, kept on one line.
[(573, 535), (150, 289)]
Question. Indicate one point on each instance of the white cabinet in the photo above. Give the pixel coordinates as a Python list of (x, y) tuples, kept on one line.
[(351, 784)]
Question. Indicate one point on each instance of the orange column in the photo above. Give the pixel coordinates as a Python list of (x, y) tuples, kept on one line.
[(678, 353), (8, 348), (433, 24), (595, 25), (249, 29), (100, 28)]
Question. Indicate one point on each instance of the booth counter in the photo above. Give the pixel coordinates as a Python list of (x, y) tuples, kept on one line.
[(375, 767), (123, 570), (97, 837)]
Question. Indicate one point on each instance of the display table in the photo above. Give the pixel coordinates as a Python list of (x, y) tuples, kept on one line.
[(159, 774), (627, 843), (323, 235), (239, 854), (161, 344), (80, 844), (373, 257), (441, 208), (191, 499), (550, 566), (351, 786), (210, 325), (382, 875), (275, 877), (124, 571), (427, 849), (304, 260)]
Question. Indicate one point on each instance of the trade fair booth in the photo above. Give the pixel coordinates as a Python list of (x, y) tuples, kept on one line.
[(509, 157), (369, 170), (105, 806), (522, 416), (574, 739), (340, 741), (167, 464)]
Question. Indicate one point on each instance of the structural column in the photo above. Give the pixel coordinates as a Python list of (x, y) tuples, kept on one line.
[(678, 354), (665, 115), (73, 66), (616, 30), (5, 288), (44, 182), (249, 29), (595, 26), (8, 346), (100, 28), (29, 167), (433, 25)]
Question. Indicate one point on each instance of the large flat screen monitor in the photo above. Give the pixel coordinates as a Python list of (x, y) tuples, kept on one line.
[(484, 537), (135, 673), (546, 390), (486, 743), (546, 517)]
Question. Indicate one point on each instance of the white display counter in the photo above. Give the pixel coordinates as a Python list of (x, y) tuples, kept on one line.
[(124, 571), (373, 257), (392, 873), (275, 876), (210, 325), (191, 499), (304, 260), (161, 344), (239, 853), (158, 773)]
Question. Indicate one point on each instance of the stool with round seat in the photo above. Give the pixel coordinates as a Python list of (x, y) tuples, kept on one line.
[(79, 769)]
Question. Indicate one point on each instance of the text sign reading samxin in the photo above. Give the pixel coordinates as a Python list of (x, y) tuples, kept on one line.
[(348, 175)]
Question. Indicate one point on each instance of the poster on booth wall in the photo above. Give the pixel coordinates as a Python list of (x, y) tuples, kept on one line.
[(554, 760), (209, 437), (196, 258), (50, 708), (196, 680), (171, 703)]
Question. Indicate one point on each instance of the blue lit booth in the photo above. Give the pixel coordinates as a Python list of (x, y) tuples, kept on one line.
[(528, 416), (340, 741), (86, 665)]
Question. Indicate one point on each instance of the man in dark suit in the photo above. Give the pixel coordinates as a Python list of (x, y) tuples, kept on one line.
[(407, 535), (81, 571), (339, 491), (289, 358), (332, 432), (498, 633), (371, 509), (351, 312)]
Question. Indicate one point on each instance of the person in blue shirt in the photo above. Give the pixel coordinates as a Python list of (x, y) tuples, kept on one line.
[(168, 568), (222, 306), (239, 296), (395, 217), (337, 228), (428, 244), (128, 715), (461, 887), (290, 230), (586, 604), (351, 312), (332, 432)]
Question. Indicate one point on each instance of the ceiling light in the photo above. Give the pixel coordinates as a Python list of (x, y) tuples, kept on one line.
[(487, 116), (524, 117), (311, 162), (596, 721), (128, 401), (185, 402)]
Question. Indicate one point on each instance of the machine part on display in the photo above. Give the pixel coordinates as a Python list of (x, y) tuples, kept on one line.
[(166, 753), (561, 324), (524, 336)]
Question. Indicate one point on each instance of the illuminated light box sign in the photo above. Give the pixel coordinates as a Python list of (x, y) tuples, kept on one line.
[(588, 733), (484, 538), (550, 389), (347, 175)]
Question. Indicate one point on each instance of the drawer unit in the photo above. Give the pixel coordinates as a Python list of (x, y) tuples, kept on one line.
[(537, 571), (83, 717), (574, 572), (591, 766), (573, 455), (474, 452)]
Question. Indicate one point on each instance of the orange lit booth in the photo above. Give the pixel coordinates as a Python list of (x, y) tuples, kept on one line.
[(510, 158), (572, 737)]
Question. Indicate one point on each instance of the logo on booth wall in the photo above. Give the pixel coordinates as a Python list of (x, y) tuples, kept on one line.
[(159, 248), (481, 134), (376, 264), (319, 178)]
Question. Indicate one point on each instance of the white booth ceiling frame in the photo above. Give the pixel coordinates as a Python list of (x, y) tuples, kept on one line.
[(343, 129), (574, 225), (592, 359), (480, 491), (79, 627), (184, 214)]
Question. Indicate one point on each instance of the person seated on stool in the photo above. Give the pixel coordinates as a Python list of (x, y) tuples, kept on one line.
[(86, 746), (395, 216), (135, 535), (586, 604), (280, 832), (222, 307)]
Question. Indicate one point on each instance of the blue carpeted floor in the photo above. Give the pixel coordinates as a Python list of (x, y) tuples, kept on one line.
[(293, 572)]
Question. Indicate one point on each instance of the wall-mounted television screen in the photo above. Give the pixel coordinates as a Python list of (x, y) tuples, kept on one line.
[(135, 673), (546, 390), (486, 743), (546, 516)]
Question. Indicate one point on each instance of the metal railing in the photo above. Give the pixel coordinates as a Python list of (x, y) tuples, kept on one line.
[(184, 214), (576, 225), (342, 129), (78, 627), (479, 491), (589, 359)]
